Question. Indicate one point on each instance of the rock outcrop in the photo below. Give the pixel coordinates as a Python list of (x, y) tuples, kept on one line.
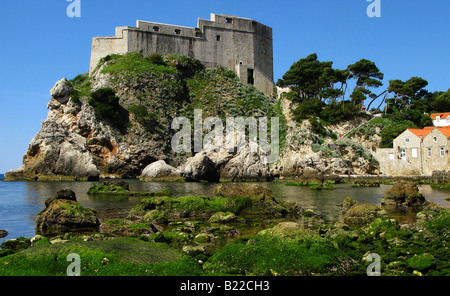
[(126, 132), (403, 193), (63, 212), (159, 170), (361, 214)]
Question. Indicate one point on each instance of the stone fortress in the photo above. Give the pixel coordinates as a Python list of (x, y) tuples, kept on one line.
[(239, 44)]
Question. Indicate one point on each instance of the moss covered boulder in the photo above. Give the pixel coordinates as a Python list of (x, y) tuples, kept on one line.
[(254, 191), (404, 193), (221, 217), (360, 214), (62, 213)]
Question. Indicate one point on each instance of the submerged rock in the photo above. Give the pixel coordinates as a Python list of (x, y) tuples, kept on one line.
[(404, 193), (3, 233)]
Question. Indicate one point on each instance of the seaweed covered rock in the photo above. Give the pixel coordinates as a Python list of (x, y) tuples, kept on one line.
[(121, 188), (404, 193), (221, 217), (63, 212), (361, 214), (285, 230), (266, 255), (254, 191), (3, 233)]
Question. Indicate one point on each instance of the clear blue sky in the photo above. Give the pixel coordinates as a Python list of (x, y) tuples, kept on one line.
[(40, 44)]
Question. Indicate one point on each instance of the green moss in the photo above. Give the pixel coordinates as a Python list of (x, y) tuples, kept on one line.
[(440, 186), (265, 255), (114, 189), (118, 257), (421, 262)]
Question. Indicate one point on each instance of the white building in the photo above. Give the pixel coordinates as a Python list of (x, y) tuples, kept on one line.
[(441, 119)]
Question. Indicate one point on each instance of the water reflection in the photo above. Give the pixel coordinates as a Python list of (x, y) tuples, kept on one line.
[(20, 202)]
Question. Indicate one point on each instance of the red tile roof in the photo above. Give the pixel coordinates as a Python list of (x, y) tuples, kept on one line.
[(441, 115), (445, 130), (421, 132), (426, 130)]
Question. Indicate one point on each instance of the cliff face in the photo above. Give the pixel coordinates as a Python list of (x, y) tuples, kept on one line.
[(117, 121)]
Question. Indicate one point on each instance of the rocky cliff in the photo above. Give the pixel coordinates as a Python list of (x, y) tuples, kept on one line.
[(117, 121)]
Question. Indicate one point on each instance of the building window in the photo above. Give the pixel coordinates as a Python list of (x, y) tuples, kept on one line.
[(229, 20), (414, 153), (429, 152), (402, 153), (218, 37), (155, 29), (407, 140), (177, 32), (435, 139), (442, 152)]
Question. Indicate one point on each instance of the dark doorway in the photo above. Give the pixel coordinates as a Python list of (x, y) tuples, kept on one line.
[(250, 78)]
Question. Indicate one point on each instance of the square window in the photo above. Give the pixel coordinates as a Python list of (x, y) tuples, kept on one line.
[(218, 37)]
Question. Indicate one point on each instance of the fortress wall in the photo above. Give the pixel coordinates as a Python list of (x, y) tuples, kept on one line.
[(103, 46), (239, 44)]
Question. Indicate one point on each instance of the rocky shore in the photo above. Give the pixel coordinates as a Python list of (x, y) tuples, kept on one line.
[(116, 123), (214, 235)]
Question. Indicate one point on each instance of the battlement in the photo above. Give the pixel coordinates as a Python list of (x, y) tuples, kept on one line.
[(240, 44)]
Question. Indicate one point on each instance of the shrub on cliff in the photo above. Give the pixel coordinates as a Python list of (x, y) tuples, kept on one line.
[(106, 106)]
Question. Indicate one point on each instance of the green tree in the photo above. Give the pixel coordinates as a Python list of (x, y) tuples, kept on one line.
[(442, 102), (367, 76), (310, 78), (392, 131)]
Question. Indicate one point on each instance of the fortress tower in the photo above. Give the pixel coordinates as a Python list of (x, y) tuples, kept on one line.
[(239, 44)]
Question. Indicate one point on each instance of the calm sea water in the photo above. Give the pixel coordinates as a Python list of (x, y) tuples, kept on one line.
[(20, 202)]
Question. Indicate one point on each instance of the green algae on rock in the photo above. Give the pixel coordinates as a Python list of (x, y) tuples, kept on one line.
[(63, 212), (121, 188)]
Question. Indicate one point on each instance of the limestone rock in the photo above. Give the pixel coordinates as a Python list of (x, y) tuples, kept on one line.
[(200, 168), (246, 165), (61, 91), (159, 169), (403, 193)]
